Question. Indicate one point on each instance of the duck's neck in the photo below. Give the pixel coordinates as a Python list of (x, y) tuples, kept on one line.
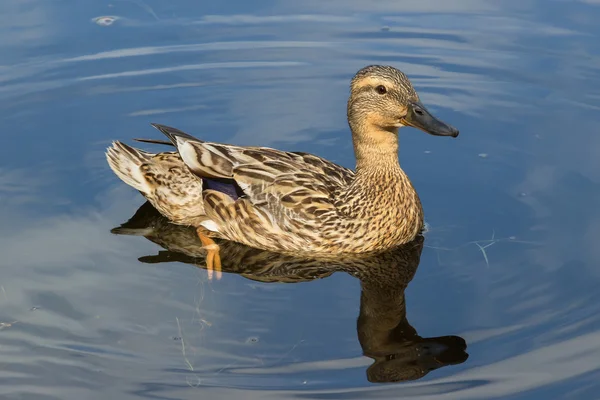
[(376, 151), (380, 186)]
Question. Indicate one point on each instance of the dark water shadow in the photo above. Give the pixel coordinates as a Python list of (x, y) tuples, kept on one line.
[(385, 335)]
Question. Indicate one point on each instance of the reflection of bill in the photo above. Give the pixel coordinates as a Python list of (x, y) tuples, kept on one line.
[(384, 333)]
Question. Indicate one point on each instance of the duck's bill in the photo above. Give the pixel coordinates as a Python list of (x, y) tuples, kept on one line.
[(418, 117)]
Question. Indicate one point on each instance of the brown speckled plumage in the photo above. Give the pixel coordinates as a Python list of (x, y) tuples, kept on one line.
[(293, 202), (384, 333), (163, 179)]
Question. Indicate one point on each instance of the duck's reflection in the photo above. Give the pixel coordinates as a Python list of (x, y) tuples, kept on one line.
[(384, 333)]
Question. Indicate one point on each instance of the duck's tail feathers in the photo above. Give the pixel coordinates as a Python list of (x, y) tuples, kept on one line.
[(173, 134), (125, 161), (154, 141)]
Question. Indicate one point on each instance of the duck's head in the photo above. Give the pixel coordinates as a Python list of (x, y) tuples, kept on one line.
[(383, 99)]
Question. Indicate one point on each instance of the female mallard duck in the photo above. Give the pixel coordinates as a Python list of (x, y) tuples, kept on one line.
[(291, 201)]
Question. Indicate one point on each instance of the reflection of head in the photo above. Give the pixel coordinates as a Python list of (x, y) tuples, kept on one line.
[(414, 357)]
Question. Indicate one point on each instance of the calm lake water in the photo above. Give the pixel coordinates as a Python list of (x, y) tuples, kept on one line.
[(504, 303)]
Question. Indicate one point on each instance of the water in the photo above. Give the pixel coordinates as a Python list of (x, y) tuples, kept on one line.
[(509, 265)]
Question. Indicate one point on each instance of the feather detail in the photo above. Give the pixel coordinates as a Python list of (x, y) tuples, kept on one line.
[(125, 161), (163, 179), (271, 199)]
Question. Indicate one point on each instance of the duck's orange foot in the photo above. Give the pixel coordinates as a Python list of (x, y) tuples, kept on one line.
[(213, 258)]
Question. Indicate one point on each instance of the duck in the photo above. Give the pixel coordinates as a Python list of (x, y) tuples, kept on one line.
[(383, 330), (289, 201)]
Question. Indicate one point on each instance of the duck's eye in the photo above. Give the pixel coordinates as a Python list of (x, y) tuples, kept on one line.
[(381, 89)]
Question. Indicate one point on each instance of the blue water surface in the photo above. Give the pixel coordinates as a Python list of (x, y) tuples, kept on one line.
[(510, 263)]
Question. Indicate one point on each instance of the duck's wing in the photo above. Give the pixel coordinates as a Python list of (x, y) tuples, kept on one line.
[(274, 183)]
